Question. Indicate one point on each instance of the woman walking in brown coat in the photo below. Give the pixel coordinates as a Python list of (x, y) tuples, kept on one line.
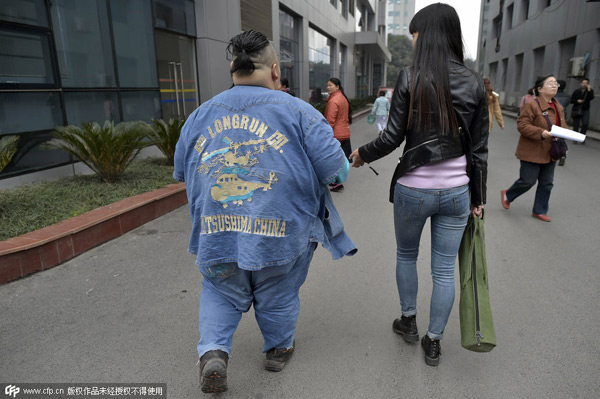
[(534, 124), (493, 105)]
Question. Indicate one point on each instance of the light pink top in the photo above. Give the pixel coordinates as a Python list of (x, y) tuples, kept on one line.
[(443, 174)]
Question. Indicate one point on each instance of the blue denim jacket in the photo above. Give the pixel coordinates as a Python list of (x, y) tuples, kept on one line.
[(256, 163)]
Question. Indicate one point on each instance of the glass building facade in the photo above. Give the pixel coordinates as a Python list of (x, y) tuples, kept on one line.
[(320, 64), (66, 62)]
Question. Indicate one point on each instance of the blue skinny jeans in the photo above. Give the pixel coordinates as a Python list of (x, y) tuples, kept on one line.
[(449, 211)]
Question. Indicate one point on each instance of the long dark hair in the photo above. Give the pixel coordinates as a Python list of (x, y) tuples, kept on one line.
[(246, 49), (338, 83), (439, 40)]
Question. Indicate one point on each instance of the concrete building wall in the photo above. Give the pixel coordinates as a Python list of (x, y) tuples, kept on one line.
[(322, 16), (521, 43), (216, 23), (399, 15)]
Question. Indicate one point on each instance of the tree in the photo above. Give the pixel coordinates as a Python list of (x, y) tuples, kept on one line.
[(401, 49), (107, 150)]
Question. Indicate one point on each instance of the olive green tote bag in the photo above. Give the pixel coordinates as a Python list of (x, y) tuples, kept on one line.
[(476, 325)]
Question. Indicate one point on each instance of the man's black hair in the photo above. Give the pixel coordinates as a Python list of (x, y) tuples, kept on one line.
[(243, 48)]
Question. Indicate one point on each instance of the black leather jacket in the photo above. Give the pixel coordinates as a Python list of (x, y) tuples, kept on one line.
[(422, 147)]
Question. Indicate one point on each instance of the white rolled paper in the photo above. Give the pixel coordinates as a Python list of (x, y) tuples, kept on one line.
[(563, 133)]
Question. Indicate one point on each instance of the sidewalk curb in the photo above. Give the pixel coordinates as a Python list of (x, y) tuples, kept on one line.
[(53, 245)]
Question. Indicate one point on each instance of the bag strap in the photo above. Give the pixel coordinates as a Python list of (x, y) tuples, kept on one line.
[(545, 113)]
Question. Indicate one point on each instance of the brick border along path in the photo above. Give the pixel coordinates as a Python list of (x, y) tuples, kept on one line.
[(53, 245)]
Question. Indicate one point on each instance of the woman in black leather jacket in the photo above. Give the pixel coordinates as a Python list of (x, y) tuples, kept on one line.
[(439, 108)]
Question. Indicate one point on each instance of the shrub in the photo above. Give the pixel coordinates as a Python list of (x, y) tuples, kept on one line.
[(107, 150), (8, 148), (165, 136)]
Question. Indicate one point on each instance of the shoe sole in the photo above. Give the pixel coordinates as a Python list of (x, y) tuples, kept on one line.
[(214, 377), (410, 338), (533, 215), (432, 362), (272, 365)]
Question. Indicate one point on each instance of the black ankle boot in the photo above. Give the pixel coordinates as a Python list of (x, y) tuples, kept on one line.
[(407, 327), (432, 349)]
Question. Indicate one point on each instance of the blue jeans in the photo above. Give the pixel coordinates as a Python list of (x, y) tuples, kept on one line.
[(531, 172), (228, 291), (449, 211)]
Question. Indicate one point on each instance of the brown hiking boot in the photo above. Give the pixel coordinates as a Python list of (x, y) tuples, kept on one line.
[(277, 359)]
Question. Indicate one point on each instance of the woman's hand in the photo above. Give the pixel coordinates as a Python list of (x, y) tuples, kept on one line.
[(356, 160), (546, 135), (477, 211)]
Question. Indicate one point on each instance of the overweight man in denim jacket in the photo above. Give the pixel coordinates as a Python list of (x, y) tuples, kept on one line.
[(256, 163)]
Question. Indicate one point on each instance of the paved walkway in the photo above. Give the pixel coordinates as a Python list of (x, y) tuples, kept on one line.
[(126, 311)]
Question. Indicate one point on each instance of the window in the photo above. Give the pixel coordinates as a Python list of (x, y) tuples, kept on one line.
[(83, 45), (538, 61), (84, 107), (25, 112), (343, 9), (289, 50), (524, 10), (30, 12), (360, 23), (134, 43), (140, 105), (25, 59), (504, 74), (566, 51), (509, 16), (493, 73), (342, 64), (497, 26), (518, 72), (176, 15), (319, 64)]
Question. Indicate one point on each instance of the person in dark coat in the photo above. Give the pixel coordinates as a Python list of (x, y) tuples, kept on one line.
[(581, 98)]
